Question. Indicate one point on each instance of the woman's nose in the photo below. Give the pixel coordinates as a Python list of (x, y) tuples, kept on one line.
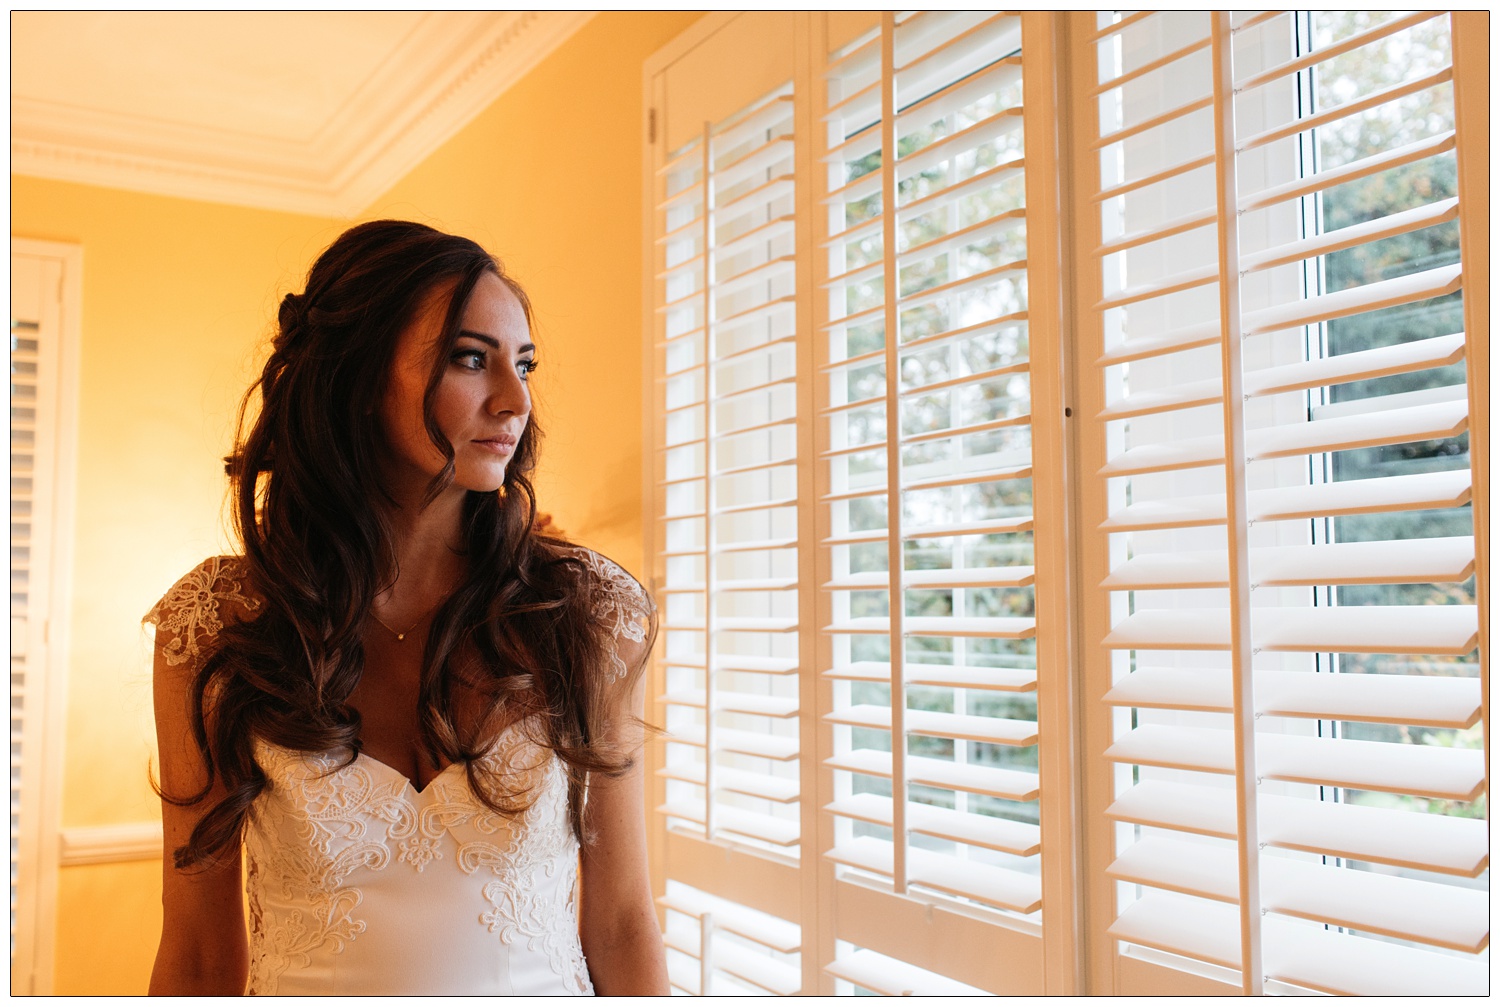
[(510, 395)]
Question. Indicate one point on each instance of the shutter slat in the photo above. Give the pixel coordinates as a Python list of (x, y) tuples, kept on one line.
[(1021, 893), (1379, 228), (765, 156), (1361, 365), (1021, 470), (1160, 288), (1425, 491), (1297, 953), (1017, 838), (1188, 453), (1370, 629), (938, 104), (1421, 770), (1178, 924), (1199, 749), (1427, 701), (1348, 629), (986, 131), (776, 831), (1165, 229), (951, 192), (764, 233), (1008, 784), (948, 433), (1404, 561), (1405, 908), (1209, 872), (1347, 109), (1425, 770), (1322, 54), (889, 977), (1180, 396), (1429, 421), (1344, 964), (1408, 909), (992, 730), (1169, 116), (990, 227), (1385, 160), (758, 970), (995, 526), (1407, 839), (761, 706), (950, 676), (935, 580), (1369, 297), (762, 928)]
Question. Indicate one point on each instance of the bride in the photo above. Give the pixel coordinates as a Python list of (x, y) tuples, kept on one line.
[(405, 721)]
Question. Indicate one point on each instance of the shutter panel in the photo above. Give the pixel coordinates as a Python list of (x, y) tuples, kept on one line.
[(925, 480), (727, 481), (1281, 579)]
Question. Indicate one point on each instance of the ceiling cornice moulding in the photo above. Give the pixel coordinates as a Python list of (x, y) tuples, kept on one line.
[(444, 74)]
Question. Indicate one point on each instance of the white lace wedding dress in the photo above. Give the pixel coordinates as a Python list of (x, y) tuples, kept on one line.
[(360, 884)]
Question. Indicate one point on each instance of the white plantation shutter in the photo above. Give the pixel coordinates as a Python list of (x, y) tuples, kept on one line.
[(1294, 781), (1004, 650), (727, 482), (927, 478), (43, 368)]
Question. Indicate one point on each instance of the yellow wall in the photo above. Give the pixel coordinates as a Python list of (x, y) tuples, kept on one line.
[(178, 300)]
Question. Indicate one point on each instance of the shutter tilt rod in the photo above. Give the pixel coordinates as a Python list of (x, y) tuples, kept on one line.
[(896, 596), (1252, 974)]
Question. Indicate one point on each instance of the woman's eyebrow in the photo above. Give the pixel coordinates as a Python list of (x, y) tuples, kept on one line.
[(492, 341), (488, 340)]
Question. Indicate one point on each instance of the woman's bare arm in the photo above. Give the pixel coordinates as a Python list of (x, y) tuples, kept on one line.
[(203, 947), (618, 925)]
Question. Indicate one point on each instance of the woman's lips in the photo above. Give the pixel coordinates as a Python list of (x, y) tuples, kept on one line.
[(502, 445)]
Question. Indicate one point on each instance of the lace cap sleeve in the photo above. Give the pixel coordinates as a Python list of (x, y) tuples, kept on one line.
[(621, 604), (191, 613)]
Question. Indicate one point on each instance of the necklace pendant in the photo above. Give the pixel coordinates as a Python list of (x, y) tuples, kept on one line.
[(400, 637)]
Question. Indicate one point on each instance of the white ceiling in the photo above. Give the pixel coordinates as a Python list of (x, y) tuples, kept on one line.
[(313, 112)]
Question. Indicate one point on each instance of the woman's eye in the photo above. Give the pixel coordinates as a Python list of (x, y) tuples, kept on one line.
[(471, 360), (525, 367)]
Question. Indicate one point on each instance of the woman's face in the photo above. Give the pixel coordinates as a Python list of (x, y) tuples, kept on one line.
[(482, 402)]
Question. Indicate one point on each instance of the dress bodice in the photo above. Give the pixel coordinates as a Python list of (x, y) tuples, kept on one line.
[(358, 883)]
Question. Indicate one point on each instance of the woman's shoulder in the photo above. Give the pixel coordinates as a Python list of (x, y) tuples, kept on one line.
[(619, 603), (213, 594), (609, 583)]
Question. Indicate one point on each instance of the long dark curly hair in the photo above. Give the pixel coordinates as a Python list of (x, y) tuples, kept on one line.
[(307, 504)]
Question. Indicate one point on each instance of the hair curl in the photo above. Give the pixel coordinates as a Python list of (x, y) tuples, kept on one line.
[(319, 548)]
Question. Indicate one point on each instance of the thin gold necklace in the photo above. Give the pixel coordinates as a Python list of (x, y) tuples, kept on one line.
[(399, 634)]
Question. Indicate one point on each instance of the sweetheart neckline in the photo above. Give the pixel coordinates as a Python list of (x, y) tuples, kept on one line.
[(407, 780)]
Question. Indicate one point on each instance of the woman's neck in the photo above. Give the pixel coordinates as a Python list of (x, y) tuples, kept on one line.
[(429, 552)]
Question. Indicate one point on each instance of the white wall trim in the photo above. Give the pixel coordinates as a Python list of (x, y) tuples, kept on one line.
[(40, 815), (451, 68), (110, 844)]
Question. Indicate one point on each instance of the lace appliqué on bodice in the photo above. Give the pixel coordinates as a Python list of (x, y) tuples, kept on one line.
[(331, 845)]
